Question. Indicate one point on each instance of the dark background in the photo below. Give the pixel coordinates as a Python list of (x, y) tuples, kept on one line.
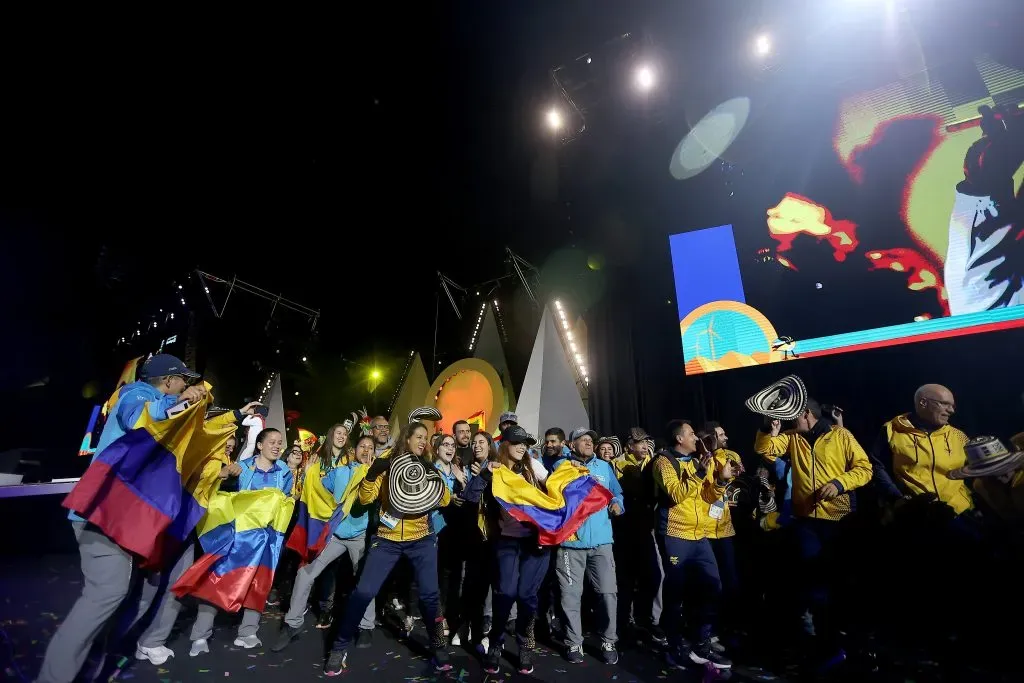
[(341, 159)]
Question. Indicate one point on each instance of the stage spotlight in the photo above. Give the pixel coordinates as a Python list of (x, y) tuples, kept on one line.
[(763, 45), (645, 77), (554, 119), (375, 374)]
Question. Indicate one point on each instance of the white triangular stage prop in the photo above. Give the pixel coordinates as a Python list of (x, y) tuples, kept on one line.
[(413, 394), (490, 348), (550, 396), (275, 406)]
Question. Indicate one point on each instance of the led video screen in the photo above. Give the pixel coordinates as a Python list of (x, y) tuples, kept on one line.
[(910, 232)]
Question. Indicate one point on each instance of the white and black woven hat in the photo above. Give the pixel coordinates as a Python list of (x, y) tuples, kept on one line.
[(987, 456), (782, 400), (425, 413), (413, 489)]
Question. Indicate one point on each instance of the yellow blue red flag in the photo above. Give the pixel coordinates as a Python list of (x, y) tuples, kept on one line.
[(149, 489), (242, 535), (312, 525), (572, 496)]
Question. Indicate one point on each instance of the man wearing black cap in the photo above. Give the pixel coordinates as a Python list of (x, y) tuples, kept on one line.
[(107, 568)]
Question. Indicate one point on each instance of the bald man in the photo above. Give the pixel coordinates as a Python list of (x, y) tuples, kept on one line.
[(916, 451)]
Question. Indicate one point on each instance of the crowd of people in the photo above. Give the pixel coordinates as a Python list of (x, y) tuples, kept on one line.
[(692, 547)]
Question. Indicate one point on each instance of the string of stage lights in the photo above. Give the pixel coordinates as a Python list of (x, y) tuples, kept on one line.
[(645, 78)]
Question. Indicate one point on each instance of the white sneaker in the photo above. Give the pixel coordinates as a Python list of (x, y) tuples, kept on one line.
[(248, 642), (484, 646), (456, 641), (155, 655), (198, 647)]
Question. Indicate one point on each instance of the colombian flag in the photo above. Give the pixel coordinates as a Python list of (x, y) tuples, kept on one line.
[(241, 534), (149, 489), (573, 495), (316, 508)]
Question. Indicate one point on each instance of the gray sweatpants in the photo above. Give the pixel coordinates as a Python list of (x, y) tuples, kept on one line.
[(206, 613), (336, 547), (107, 580), (596, 566)]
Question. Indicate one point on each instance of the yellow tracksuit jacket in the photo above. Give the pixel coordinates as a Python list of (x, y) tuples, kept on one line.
[(921, 461), (684, 498), (408, 528), (835, 457), (722, 527)]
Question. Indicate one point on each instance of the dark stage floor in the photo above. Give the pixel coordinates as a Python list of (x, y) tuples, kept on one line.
[(36, 593)]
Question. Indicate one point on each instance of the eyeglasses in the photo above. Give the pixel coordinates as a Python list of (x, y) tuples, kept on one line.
[(382, 428), (950, 405)]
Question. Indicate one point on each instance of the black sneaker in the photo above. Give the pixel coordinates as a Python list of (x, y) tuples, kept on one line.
[(574, 654), (325, 620), (336, 661), (704, 653), (679, 656), (486, 630), (492, 660), (609, 654), (526, 659), (441, 660), (655, 633), (274, 599), (365, 639), (284, 637)]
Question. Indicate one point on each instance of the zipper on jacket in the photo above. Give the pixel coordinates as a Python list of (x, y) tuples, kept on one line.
[(934, 485)]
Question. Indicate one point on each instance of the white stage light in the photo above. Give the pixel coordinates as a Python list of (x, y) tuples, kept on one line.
[(645, 77), (554, 119), (763, 45)]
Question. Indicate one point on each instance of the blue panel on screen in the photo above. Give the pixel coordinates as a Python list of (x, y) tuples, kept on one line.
[(706, 268)]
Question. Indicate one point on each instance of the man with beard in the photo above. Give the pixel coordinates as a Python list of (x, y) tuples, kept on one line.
[(554, 448), (463, 450)]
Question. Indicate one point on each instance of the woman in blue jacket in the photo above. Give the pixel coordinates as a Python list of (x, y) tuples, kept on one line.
[(264, 471), (349, 539)]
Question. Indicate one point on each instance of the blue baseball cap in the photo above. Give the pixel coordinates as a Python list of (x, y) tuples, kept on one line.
[(163, 364)]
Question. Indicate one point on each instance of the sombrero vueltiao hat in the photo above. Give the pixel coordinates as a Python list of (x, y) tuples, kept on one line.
[(987, 456), (424, 413), (783, 400), (412, 489)]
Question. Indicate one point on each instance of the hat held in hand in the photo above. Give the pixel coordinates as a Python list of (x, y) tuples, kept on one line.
[(782, 400), (987, 456), (413, 489)]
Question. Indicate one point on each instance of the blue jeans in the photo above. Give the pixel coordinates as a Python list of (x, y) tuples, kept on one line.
[(522, 567), (689, 564), (381, 557)]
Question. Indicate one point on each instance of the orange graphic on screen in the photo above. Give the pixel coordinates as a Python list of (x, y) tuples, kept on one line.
[(922, 273), (796, 215), (721, 335)]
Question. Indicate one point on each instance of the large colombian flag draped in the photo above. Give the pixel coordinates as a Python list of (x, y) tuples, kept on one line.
[(242, 535), (149, 489), (315, 528), (316, 506), (573, 495)]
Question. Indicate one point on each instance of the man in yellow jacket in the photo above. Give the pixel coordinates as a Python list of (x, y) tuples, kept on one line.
[(916, 452), (686, 483), (827, 466)]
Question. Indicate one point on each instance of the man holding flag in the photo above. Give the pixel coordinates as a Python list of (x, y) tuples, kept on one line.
[(110, 534), (587, 555)]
